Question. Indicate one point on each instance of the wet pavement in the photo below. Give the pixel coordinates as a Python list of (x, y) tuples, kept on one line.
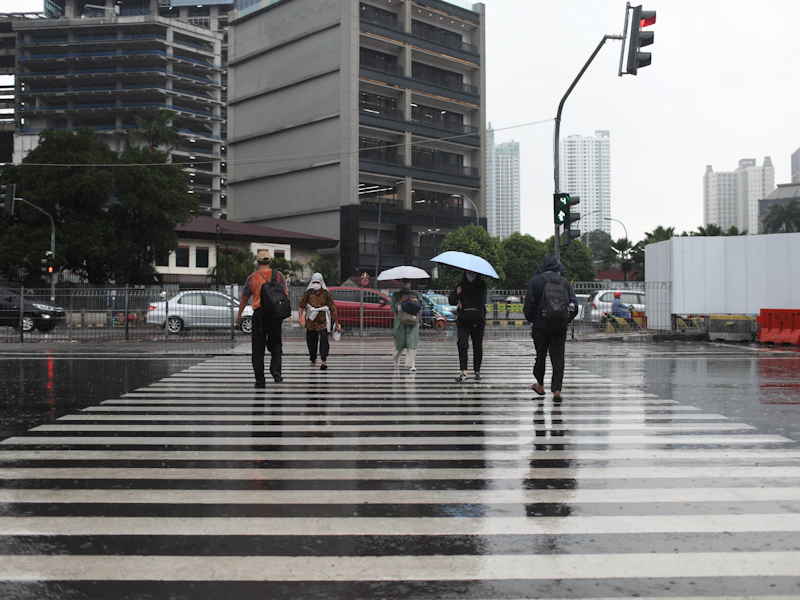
[(669, 471)]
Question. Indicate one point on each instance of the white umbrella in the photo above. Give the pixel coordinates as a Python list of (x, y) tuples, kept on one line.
[(402, 272), (469, 262)]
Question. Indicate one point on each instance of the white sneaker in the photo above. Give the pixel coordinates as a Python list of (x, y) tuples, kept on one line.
[(413, 368)]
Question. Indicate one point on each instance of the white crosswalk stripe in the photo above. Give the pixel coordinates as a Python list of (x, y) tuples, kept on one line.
[(368, 481)]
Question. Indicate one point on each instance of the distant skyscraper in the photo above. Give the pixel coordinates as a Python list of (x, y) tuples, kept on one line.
[(585, 170), (731, 198), (796, 166), (502, 185)]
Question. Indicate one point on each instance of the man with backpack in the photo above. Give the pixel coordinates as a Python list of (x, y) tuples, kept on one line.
[(271, 306), (550, 304)]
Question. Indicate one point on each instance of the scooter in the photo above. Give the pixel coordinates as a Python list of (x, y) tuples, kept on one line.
[(433, 318)]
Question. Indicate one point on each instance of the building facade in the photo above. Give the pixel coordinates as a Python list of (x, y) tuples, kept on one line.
[(360, 121), (796, 166), (731, 199), (585, 170), (783, 194), (100, 65), (502, 187)]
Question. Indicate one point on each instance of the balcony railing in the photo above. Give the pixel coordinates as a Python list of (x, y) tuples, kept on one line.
[(446, 168), (380, 155), (380, 111), (448, 84), (447, 126), (385, 23), (378, 65), (444, 40)]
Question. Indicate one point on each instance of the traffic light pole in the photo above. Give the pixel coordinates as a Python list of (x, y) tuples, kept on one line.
[(556, 137), (52, 245)]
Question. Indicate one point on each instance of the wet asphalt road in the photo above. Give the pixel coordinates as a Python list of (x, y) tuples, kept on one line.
[(670, 471)]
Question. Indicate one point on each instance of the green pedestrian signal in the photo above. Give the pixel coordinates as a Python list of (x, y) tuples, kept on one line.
[(560, 208)]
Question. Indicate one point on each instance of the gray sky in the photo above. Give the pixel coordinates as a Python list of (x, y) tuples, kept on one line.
[(723, 85)]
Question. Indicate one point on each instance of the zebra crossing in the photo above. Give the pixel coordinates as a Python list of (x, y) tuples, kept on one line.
[(369, 481)]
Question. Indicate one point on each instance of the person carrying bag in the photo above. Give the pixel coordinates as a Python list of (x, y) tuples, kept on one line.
[(406, 332), (470, 296)]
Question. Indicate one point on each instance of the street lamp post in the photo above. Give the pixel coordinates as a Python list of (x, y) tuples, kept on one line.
[(475, 208), (621, 223)]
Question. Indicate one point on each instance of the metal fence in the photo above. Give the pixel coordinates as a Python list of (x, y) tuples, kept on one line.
[(168, 313)]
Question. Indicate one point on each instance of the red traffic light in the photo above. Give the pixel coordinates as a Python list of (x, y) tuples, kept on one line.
[(647, 17), (50, 270)]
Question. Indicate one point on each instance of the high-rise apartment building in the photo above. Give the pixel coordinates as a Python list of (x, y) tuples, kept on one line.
[(359, 121), (730, 199), (585, 170), (502, 187), (99, 65), (796, 166)]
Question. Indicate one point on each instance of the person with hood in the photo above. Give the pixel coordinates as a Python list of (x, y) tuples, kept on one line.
[(550, 304), (406, 337), (318, 315), (470, 296)]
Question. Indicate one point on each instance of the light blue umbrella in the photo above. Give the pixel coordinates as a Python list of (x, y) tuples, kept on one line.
[(468, 262)]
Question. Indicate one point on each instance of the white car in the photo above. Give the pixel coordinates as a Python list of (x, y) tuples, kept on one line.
[(198, 308), (599, 303)]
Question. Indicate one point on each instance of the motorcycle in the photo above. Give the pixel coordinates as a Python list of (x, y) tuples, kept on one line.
[(433, 318)]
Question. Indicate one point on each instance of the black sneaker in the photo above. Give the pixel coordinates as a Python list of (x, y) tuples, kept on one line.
[(477, 375), (260, 384), (277, 378), (461, 378)]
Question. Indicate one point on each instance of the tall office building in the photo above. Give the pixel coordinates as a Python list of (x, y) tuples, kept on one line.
[(730, 199), (99, 65), (796, 166), (585, 170), (502, 187), (363, 122)]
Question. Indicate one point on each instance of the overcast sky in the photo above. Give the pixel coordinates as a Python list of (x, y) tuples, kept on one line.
[(723, 85)]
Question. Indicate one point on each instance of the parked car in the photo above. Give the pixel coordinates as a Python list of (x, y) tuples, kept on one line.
[(377, 307), (582, 298), (442, 305), (197, 308), (36, 314), (599, 303)]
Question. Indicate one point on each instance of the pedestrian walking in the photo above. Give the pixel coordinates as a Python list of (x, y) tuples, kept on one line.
[(266, 334), (406, 336), (470, 296), (550, 304), (318, 315)]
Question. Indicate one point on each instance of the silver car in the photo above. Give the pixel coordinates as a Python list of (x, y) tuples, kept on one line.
[(198, 308), (599, 303)]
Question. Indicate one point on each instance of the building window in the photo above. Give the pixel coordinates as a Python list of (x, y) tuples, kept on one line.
[(201, 258), (182, 257), (279, 253)]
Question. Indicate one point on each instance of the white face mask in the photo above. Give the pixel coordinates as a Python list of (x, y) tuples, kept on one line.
[(471, 277), (316, 286)]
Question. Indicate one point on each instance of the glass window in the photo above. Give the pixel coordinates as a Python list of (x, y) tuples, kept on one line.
[(191, 299), (345, 295), (201, 257), (216, 300), (182, 257), (607, 297)]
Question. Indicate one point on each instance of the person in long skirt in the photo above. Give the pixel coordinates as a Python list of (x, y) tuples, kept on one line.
[(318, 315), (406, 337)]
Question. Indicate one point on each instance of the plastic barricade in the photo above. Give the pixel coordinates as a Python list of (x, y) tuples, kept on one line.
[(779, 326)]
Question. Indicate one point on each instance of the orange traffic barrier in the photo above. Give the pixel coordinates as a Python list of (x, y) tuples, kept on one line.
[(779, 326)]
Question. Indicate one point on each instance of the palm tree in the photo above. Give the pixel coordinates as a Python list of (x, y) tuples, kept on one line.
[(712, 229), (783, 218), (659, 234), (734, 230), (155, 133), (619, 252)]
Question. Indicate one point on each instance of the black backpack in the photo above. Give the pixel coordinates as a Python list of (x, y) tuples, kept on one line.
[(274, 301), (555, 302)]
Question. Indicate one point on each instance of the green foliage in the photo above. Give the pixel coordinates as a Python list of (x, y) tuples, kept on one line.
[(783, 218), (619, 252), (472, 240), (234, 267), (577, 260), (597, 241), (522, 254), (327, 268), (111, 221), (155, 133), (291, 269)]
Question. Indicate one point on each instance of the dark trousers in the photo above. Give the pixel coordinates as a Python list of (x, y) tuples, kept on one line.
[(465, 332), (553, 341), (314, 337), (266, 335)]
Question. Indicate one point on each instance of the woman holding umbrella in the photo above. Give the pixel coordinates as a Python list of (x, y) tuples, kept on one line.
[(470, 296), (406, 306)]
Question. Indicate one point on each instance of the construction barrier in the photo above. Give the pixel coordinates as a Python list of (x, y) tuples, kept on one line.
[(779, 326), (729, 328)]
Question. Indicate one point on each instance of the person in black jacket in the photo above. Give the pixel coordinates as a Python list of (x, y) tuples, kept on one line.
[(470, 296), (548, 336)]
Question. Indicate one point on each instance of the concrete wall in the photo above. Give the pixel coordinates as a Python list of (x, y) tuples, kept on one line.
[(727, 275)]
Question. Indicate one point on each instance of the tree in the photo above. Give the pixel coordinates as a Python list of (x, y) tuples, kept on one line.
[(577, 260), (291, 269), (712, 229), (783, 218), (597, 242), (734, 230), (522, 254), (472, 240), (156, 133), (234, 267), (619, 252), (327, 268), (659, 234)]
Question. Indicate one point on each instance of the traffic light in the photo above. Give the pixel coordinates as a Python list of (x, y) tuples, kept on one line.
[(7, 196), (570, 225), (48, 264), (640, 39), (560, 208)]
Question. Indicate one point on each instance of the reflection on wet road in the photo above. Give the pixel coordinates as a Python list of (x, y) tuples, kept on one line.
[(367, 481)]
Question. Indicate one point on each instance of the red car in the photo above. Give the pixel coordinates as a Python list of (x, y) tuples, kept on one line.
[(377, 307)]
